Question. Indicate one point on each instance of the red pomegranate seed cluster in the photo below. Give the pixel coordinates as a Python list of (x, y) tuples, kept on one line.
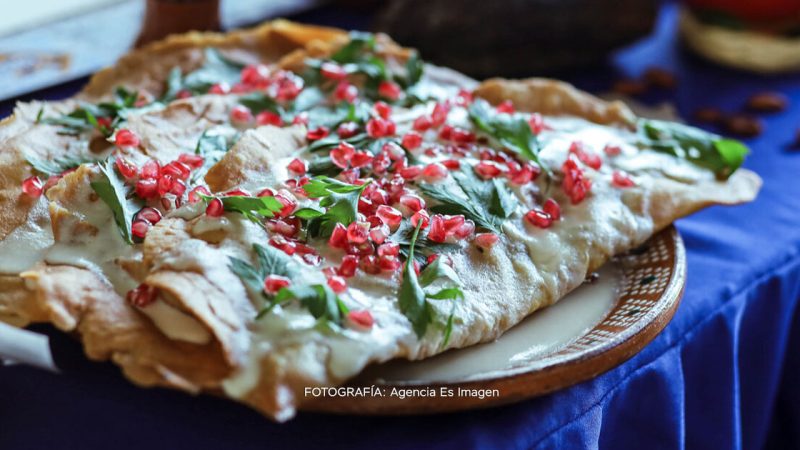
[(575, 183), (544, 217), (142, 296)]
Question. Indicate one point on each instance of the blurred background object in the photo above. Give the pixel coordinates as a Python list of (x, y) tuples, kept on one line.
[(761, 36), (515, 37), (165, 17)]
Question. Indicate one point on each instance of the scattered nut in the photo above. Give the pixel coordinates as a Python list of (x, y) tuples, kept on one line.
[(629, 87), (709, 115), (744, 126), (660, 78), (767, 102)]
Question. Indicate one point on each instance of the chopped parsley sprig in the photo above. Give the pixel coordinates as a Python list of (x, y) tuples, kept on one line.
[(414, 300), (487, 203), (340, 201), (112, 190)]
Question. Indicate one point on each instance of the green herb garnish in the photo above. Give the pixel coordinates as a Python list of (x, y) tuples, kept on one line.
[(319, 299), (57, 166), (511, 131), (269, 261), (85, 117), (113, 191), (487, 203), (215, 69), (255, 209), (708, 150), (340, 201), (413, 298)]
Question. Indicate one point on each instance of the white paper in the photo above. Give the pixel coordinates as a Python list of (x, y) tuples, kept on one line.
[(26, 347)]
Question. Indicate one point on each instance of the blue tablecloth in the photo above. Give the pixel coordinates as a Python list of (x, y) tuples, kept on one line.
[(723, 374)]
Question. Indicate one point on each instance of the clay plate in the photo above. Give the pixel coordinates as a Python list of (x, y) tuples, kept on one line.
[(592, 330)]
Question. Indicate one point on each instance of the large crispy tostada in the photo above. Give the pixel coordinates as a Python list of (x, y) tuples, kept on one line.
[(257, 212)]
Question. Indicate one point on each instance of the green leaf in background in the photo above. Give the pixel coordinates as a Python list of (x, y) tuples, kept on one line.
[(112, 190), (212, 146), (216, 68), (57, 166), (359, 43), (708, 150)]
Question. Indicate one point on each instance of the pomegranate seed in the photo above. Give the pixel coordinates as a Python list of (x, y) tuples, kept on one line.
[(465, 230), (412, 140), (164, 184), (522, 176), (282, 244), (552, 208), (237, 193), (360, 159), (151, 215), (422, 123), (332, 71), (412, 202), (193, 161), (147, 188), (269, 118), (312, 259), (377, 127), (382, 109), (266, 192), (536, 122), (255, 75), (139, 228), (337, 284), (350, 176), (462, 136), (464, 97), (317, 133), (434, 171), (151, 169), (389, 263), (418, 216), (348, 266), (486, 240), (439, 114), (241, 114), (437, 231), (452, 223), (612, 150), (126, 138), (411, 172), (451, 164), (51, 181), (338, 237), (215, 208), (506, 107), (142, 295), (289, 203), (369, 264), (358, 232), (177, 170), (289, 86), (342, 154), (287, 228), (182, 94), (389, 216), (621, 180), (538, 218), (300, 119), (32, 187), (379, 234), (585, 156), (389, 249), (219, 88), (126, 168), (389, 90), (178, 188), (345, 92), (274, 283), (445, 132), (487, 170), (347, 129), (297, 167), (362, 318), (574, 183), (104, 123)]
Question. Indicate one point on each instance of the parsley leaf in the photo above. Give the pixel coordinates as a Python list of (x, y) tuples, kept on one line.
[(112, 190), (340, 200), (57, 166), (215, 69), (511, 131), (270, 261), (255, 209), (359, 43), (331, 141), (319, 299), (413, 299), (422, 246), (720, 155), (487, 203), (84, 118)]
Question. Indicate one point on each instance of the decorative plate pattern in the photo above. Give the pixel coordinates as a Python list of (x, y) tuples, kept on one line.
[(649, 288)]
